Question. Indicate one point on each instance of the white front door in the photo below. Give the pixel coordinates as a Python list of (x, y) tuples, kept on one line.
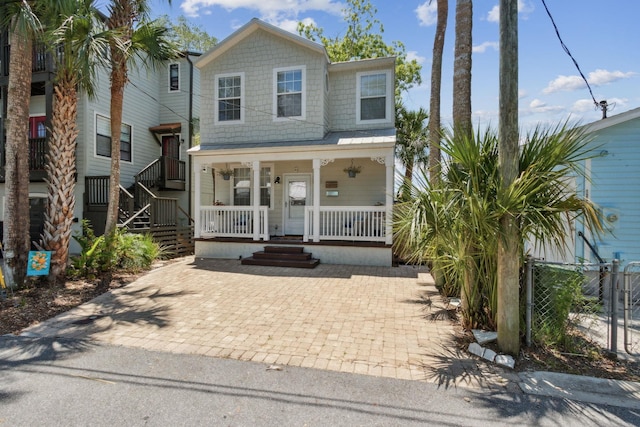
[(297, 194)]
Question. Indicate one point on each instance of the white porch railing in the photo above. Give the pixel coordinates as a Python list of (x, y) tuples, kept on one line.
[(365, 223), (233, 221)]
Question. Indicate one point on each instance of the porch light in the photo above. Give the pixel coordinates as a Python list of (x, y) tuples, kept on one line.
[(352, 170)]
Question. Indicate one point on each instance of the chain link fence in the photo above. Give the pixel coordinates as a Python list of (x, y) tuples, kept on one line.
[(562, 296)]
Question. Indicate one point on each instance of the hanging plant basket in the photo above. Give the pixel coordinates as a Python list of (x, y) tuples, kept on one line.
[(353, 170), (226, 174)]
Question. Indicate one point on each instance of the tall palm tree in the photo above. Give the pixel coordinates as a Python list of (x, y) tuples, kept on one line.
[(137, 39), (436, 83), (23, 26), (411, 144), (462, 68), (78, 46)]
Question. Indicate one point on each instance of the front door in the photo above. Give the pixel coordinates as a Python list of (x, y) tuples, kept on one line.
[(297, 194), (171, 150)]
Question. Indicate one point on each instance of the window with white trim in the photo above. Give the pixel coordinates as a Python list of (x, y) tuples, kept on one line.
[(103, 139), (229, 98), (174, 77), (243, 186), (290, 92), (374, 96)]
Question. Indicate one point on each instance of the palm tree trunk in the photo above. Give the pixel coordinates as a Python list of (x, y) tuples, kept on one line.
[(462, 68), (16, 221), (436, 83), (61, 175)]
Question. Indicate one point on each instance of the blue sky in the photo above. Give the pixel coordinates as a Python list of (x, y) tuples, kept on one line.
[(603, 37)]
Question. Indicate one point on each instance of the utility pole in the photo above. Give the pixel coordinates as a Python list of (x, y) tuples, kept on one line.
[(508, 318)]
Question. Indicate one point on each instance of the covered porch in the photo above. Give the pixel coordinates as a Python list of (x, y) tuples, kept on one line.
[(303, 194)]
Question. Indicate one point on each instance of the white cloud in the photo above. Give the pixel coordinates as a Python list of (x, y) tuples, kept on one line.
[(603, 77), (522, 93), (427, 13), (291, 25), (494, 14), (595, 78), (538, 106), (267, 8), (482, 48), (412, 54), (524, 9), (582, 106)]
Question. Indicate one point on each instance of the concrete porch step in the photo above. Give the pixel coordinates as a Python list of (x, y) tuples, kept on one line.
[(310, 263), (299, 256), (284, 249)]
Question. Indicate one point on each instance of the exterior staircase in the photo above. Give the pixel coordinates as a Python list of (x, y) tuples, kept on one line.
[(282, 256)]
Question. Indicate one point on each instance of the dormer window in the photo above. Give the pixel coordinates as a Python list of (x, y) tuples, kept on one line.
[(374, 96), (174, 77), (290, 92)]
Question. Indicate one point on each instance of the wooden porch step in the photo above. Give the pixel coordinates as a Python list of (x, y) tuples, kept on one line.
[(282, 256), (284, 249), (301, 256), (310, 263)]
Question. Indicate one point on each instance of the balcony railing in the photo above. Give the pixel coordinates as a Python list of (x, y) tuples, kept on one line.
[(40, 59), (233, 221)]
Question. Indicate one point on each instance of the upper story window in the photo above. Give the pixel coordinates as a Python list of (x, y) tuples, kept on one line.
[(230, 98), (374, 97), (290, 92), (103, 139), (174, 77)]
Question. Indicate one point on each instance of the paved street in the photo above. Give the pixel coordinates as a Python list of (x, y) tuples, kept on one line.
[(54, 382)]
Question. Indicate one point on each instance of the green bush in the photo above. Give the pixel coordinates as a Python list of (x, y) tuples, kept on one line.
[(122, 251), (557, 291)]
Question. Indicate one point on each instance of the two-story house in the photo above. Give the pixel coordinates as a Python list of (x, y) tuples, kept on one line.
[(160, 108), (295, 150)]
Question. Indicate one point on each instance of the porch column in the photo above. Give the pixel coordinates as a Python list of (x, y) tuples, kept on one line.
[(316, 200), (256, 199), (389, 163), (197, 172)]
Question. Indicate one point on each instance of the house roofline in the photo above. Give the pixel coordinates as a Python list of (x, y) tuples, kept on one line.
[(612, 120), (248, 29), (362, 63)]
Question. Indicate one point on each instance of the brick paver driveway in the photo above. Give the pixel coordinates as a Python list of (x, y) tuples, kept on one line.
[(367, 320)]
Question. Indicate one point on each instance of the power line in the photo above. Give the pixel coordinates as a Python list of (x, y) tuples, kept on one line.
[(600, 105)]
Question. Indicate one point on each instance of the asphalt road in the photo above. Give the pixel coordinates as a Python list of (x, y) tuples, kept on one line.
[(49, 382)]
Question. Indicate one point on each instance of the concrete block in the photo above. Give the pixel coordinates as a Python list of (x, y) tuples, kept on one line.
[(505, 360), (483, 337), (477, 349), (489, 354)]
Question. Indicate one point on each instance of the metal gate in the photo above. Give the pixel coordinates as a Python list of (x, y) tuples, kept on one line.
[(631, 308)]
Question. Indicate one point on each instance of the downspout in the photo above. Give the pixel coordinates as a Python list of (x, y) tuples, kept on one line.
[(190, 129)]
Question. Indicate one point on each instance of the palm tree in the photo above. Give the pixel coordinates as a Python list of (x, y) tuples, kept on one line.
[(457, 222), (78, 46), (462, 68), (411, 144), (137, 39), (436, 82), (23, 26)]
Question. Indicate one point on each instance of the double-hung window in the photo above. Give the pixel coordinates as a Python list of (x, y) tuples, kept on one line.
[(243, 186), (290, 92), (374, 96), (229, 98), (103, 139)]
